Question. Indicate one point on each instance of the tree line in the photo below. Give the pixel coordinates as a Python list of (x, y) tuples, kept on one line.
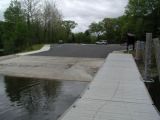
[(140, 16), (30, 22)]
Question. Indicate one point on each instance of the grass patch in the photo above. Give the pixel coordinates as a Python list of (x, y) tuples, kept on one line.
[(33, 48)]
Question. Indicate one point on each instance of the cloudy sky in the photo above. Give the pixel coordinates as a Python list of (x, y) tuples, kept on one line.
[(83, 12)]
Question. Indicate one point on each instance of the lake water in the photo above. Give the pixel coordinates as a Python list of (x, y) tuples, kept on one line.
[(154, 89), (32, 99)]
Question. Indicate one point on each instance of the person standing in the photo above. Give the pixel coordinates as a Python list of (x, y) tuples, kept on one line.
[(130, 40)]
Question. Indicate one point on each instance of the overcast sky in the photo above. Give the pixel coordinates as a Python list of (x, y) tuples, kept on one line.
[(83, 12)]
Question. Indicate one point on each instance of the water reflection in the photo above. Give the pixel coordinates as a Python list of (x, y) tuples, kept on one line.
[(26, 99)]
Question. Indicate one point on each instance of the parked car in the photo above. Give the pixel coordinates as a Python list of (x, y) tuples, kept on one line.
[(60, 42), (101, 42)]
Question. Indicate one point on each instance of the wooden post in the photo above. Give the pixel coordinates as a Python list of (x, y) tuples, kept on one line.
[(148, 54), (157, 53)]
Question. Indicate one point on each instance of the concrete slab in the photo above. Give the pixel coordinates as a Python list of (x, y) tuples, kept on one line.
[(7, 57), (116, 93), (59, 68)]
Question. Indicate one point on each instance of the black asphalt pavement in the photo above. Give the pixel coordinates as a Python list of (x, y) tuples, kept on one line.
[(81, 50)]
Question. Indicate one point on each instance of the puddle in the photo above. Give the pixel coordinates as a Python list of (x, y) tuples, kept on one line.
[(32, 99)]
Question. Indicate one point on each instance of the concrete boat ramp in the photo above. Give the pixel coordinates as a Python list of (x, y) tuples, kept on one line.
[(116, 93), (49, 67)]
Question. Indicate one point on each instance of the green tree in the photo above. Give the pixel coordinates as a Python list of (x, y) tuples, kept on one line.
[(32, 22), (69, 26), (97, 28), (146, 13), (52, 23), (15, 29), (14, 12)]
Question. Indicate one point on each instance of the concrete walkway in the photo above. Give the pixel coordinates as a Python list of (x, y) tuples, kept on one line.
[(116, 93), (45, 48)]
